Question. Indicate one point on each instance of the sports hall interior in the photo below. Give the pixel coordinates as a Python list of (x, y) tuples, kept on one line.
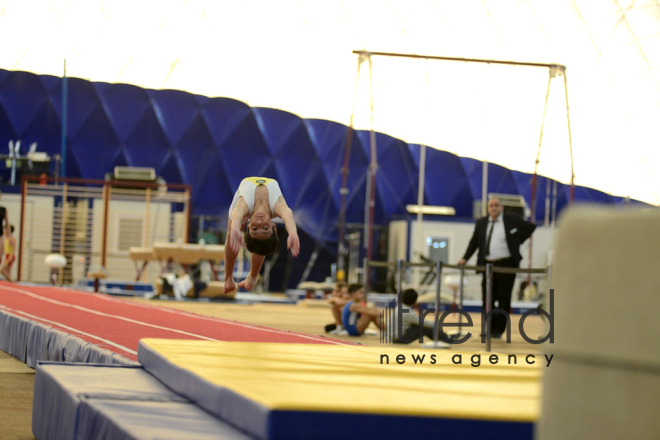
[(389, 128)]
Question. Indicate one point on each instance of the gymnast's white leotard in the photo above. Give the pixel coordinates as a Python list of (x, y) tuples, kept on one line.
[(247, 189)]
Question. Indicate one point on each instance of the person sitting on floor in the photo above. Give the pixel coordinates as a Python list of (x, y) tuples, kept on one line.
[(178, 284), (356, 316), (337, 301), (410, 320)]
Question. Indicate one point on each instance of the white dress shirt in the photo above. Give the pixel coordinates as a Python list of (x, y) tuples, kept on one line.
[(498, 247)]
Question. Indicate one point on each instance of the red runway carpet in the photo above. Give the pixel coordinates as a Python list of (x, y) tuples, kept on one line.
[(117, 325)]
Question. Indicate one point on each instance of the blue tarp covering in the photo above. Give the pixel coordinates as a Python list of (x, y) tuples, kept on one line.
[(31, 341), (213, 143)]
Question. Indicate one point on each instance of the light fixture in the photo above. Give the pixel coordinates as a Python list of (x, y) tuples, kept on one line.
[(432, 210)]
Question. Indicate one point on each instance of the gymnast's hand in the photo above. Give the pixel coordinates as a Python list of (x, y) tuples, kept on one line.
[(236, 240), (293, 243)]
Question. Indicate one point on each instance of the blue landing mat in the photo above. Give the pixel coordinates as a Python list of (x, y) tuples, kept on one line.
[(88, 401), (126, 419)]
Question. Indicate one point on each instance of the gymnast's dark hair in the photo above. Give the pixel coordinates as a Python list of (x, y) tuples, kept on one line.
[(261, 247), (354, 288), (409, 297)]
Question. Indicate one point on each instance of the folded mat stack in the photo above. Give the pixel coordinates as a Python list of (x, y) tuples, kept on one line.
[(100, 401)]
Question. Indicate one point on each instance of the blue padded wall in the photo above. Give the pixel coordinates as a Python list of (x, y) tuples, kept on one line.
[(213, 143)]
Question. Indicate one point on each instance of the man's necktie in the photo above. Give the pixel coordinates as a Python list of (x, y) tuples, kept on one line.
[(490, 234)]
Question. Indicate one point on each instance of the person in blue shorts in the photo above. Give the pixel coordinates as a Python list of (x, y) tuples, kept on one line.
[(356, 316)]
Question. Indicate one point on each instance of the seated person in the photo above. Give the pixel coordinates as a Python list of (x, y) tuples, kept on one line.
[(356, 317), (9, 248), (177, 284), (410, 320), (337, 301)]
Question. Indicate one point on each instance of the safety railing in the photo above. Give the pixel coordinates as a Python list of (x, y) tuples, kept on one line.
[(489, 269)]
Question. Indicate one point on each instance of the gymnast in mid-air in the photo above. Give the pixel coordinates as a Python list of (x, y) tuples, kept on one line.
[(257, 201)]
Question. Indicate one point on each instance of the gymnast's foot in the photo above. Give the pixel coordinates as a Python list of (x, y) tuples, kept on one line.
[(230, 286), (249, 283)]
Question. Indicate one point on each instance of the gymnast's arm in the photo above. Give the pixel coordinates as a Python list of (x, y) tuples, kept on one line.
[(359, 308), (235, 237), (283, 211)]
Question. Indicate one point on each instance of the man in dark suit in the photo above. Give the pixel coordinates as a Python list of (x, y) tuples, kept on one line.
[(498, 238)]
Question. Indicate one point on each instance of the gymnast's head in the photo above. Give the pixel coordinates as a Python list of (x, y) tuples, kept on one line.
[(260, 235)]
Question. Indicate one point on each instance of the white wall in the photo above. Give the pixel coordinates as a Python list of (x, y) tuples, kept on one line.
[(397, 240), (118, 265), (37, 236)]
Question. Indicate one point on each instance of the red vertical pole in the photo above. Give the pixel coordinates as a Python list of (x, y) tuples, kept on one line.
[(104, 236), (372, 205), (570, 141), (344, 190), (373, 167), (551, 74)]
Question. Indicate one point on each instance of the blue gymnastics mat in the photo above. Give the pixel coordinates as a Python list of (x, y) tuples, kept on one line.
[(94, 401)]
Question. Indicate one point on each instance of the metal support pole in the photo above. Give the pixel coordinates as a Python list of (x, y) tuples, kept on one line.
[(554, 203), (12, 179), (399, 265), (460, 305), (186, 225), (484, 188), (146, 218), (489, 296), (438, 269), (419, 243), (462, 60)]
